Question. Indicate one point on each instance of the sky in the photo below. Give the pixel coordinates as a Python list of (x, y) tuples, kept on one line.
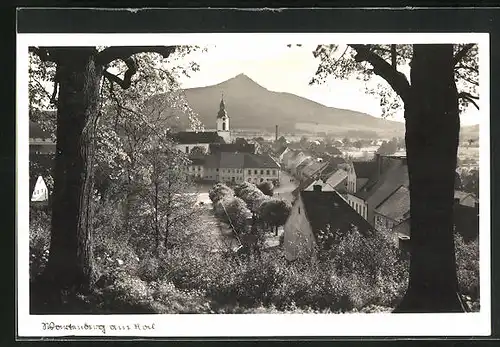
[(283, 69)]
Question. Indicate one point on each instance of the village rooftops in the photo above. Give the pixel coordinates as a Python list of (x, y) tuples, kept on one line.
[(396, 205), (329, 208), (36, 132), (240, 160), (193, 137), (232, 147), (365, 169)]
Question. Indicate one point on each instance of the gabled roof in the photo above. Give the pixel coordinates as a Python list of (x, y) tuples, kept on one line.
[(365, 169), (193, 137), (263, 161), (396, 205), (303, 185), (325, 187), (462, 195), (197, 160), (231, 147), (374, 192), (329, 208), (304, 163), (313, 168), (240, 160), (337, 177)]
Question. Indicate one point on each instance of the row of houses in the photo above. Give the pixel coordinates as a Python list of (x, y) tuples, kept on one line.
[(377, 191)]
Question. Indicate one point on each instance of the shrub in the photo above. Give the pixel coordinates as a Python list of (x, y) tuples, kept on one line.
[(39, 238), (467, 255)]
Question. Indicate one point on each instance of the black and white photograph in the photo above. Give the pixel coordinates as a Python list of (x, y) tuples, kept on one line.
[(226, 184)]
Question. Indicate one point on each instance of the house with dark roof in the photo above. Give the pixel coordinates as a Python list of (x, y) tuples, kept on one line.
[(465, 223), (338, 180), (187, 140), (238, 167), (313, 169), (315, 211), (393, 209), (40, 141), (466, 199), (232, 147), (303, 164), (391, 173)]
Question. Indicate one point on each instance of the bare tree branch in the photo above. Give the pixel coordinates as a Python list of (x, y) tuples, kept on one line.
[(124, 52), (469, 97), (466, 67), (462, 53), (127, 79), (396, 79)]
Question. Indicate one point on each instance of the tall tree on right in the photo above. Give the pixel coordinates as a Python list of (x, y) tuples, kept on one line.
[(432, 105)]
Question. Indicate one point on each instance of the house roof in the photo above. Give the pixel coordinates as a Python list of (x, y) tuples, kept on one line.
[(337, 177), (260, 161), (395, 205), (304, 163), (329, 208), (374, 192), (462, 195), (231, 147), (465, 220), (365, 169), (193, 137), (240, 160), (325, 186), (303, 185), (313, 168), (197, 160)]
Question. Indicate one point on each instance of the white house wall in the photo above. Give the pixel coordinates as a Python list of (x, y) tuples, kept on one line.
[(298, 235)]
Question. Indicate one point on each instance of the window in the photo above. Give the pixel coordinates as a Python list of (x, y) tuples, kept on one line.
[(267, 172), (299, 209), (224, 126), (217, 169), (187, 149), (261, 172), (232, 179), (255, 172), (274, 172)]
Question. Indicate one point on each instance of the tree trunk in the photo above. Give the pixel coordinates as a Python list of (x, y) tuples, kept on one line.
[(432, 130), (70, 261)]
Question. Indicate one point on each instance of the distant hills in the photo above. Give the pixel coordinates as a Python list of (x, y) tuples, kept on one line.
[(252, 107)]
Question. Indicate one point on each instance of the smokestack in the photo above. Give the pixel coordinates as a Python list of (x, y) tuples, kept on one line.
[(317, 188), (276, 132)]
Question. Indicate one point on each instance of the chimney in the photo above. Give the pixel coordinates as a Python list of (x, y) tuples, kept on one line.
[(317, 188), (276, 135)]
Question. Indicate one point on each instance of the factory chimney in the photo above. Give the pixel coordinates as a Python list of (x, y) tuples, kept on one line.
[(276, 133)]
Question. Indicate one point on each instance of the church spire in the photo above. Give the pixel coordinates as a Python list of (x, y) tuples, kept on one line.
[(222, 110)]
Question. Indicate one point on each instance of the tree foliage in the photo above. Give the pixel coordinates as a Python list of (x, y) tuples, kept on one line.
[(266, 187), (372, 64)]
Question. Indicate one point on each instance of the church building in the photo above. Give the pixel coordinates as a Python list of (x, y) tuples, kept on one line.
[(187, 140)]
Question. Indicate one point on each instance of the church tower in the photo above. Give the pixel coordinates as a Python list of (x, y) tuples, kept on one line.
[(223, 122)]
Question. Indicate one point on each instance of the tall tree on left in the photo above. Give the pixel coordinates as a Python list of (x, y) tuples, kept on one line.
[(77, 84)]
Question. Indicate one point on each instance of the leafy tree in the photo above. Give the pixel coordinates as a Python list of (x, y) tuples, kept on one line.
[(470, 182), (358, 144), (432, 103), (240, 187), (198, 150), (219, 191), (233, 210), (274, 212), (78, 74), (266, 187), (387, 148)]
